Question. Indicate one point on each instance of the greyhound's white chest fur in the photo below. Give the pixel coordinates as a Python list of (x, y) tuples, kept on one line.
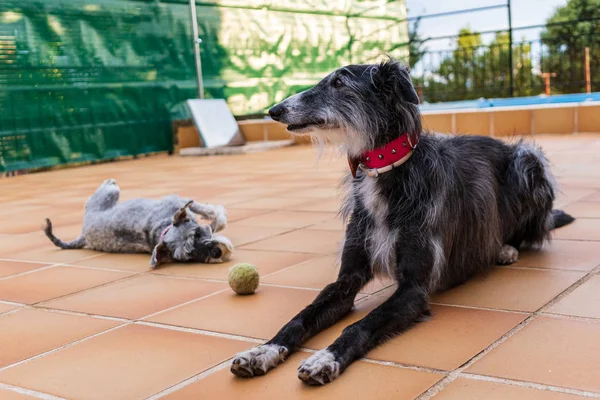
[(380, 241)]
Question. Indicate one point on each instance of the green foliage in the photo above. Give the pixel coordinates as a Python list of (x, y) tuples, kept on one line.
[(473, 70), (566, 45)]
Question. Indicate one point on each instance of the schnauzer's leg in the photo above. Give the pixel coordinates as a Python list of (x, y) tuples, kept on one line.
[(106, 196), (403, 309), (216, 214), (335, 301), (508, 255)]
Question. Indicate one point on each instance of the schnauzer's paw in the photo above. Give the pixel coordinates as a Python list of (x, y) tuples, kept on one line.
[(109, 182), (220, 219), (319, 369), (508, 255), (226, 249), (258, 361)]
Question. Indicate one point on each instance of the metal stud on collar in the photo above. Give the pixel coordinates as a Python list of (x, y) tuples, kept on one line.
[(368, 158), (393, 151), (380, 156)]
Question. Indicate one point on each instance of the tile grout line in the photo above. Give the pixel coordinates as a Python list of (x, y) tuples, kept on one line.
[(213, 280), (280, 234), (82, 314), (25, 307), (29, 272), (290, 287), (182, 304), (23, 261), (525, 268), (318, 257), (54, 263), (29, 392), (100, 268), (503, 310), (187, 278), (580, 240), (11, 303), (203, 332), (570, 317), (405, 366), (569, 290), (268, 237), (216, 368), (41, 303), (452, 376), (70, 344), (532, 385), (190, 380), (161, 325)]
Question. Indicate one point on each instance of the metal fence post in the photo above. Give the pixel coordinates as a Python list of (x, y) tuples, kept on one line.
[(510, 51), (588, 79), (196, 42)]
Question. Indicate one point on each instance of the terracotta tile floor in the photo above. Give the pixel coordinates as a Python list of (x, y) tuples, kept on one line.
[(83, 325)]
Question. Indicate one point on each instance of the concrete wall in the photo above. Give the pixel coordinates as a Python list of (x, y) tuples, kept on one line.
[(517, 121), (186, 134), (498, 122)]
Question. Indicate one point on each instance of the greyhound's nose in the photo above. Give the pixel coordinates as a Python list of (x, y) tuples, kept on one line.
[(276, 112)]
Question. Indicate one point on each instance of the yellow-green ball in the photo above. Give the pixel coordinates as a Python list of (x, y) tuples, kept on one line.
[(243, 278)]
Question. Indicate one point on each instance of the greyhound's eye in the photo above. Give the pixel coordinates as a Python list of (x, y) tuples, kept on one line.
[(337, 83)]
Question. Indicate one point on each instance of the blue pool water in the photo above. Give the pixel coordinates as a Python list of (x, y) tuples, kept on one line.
[(511, 102)]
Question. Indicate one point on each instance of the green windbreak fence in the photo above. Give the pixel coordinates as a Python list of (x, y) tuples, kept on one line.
[(92, 80)]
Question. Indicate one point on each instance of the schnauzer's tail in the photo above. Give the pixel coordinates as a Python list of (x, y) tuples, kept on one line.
[(78, 243), (561, 218)]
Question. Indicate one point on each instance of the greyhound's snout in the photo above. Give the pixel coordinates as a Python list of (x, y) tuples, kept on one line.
[(277, 111)]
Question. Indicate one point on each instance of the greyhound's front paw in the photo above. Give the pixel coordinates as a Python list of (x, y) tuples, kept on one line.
[(258, 361), (319, 369), (508, 255)]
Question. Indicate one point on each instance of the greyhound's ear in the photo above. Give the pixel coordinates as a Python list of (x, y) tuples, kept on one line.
[(396, 76), (181, 214), (160, 255)]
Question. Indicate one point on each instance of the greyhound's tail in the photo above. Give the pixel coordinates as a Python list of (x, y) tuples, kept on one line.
[(561, 218), (78, 243)]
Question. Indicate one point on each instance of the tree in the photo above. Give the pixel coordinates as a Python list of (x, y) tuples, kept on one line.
[(496, 68), (454, 79), (474, 70), (565, 44)]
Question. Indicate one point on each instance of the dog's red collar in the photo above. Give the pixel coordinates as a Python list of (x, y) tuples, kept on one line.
[(385, 158), (164, 233)]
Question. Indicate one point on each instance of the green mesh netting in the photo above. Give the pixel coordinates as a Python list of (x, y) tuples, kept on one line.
[(84, 80)]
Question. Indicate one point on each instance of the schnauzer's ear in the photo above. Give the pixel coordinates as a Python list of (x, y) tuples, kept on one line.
[(181, 214), (160, 255), (397, 76)]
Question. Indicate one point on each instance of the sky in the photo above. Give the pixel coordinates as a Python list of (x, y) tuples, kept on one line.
[(524, 13)]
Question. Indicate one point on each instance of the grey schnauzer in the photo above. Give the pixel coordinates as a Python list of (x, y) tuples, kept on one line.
[(167, 228)]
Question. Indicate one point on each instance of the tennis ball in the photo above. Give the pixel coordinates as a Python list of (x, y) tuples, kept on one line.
[(243, 278)]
